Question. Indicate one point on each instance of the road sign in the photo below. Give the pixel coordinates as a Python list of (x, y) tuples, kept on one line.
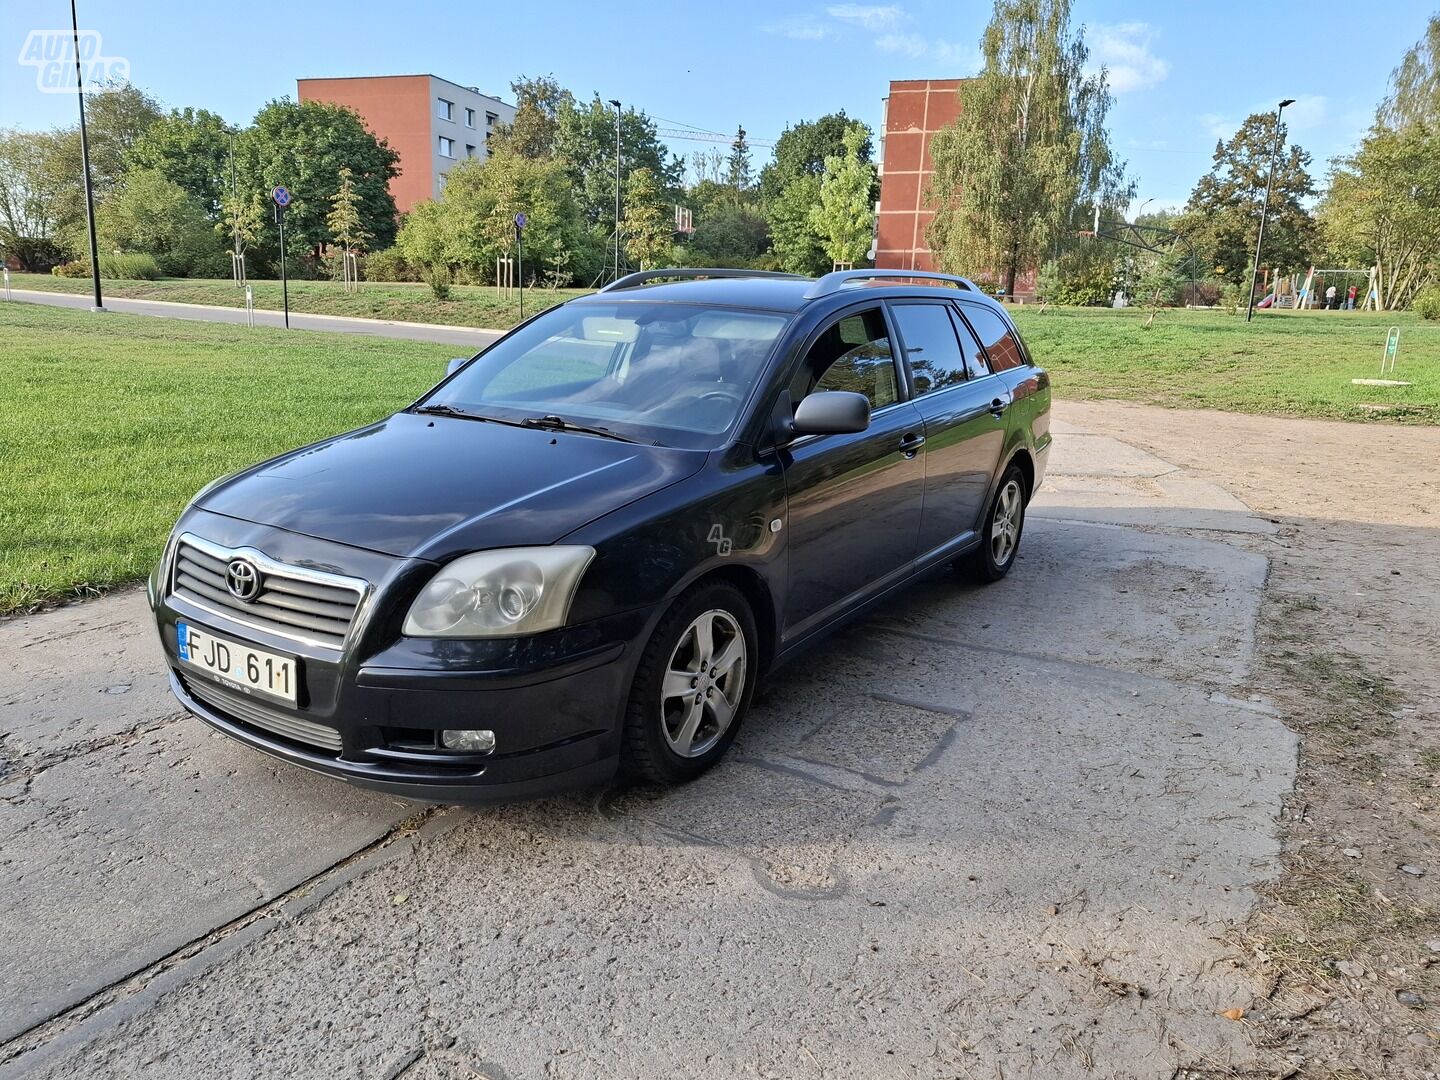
[(520, 220), (281, 196)]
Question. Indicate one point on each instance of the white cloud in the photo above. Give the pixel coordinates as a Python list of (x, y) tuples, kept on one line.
[(1124, 50), (965, 59), (800, 29), (1309, 111), (1217, 126), (873, 17)]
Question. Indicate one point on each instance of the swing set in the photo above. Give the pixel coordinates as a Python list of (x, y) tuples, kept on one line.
[(1291, 292)]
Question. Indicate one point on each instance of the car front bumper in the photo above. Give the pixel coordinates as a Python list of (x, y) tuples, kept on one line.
[(371, 713)]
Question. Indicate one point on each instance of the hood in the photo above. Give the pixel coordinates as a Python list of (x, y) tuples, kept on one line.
[(433, 487)]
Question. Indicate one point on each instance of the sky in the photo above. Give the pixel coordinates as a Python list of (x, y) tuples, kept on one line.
[(1182, 74)]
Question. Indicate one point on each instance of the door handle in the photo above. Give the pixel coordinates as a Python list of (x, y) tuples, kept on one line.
[(910, 445), (998, 406)]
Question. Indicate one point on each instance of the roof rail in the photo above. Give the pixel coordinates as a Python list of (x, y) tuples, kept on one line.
[(840, 278), (644, 277)]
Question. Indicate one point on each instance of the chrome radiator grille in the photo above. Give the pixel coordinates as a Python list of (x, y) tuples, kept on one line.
[(294, 602)]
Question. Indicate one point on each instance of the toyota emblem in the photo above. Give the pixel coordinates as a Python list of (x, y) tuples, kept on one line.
[(242, 579)]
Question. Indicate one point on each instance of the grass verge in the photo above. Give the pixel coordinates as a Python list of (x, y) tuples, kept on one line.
[(1283, 363), (112, 422)]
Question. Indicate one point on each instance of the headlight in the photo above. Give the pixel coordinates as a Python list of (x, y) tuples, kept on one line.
[(501, 593)]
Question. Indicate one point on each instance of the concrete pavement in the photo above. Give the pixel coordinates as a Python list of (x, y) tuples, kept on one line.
[(989, 832), (462, 337)]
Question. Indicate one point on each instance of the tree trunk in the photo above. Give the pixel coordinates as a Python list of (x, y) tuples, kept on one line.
[(1012, 268)]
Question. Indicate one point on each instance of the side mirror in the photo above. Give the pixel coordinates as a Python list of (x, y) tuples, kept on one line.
[(832, 412), (455, 365)]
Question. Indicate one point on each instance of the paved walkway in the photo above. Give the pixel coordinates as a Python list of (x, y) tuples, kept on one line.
[(464, 336), (988, 832)]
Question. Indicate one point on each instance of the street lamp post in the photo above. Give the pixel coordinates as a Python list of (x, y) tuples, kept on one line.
[(617, 187), (1265, 209), (85, 162)]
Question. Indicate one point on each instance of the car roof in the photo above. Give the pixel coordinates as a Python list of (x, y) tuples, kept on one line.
[(782, 292)]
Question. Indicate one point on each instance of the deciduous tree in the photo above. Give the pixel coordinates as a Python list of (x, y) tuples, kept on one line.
[(649, 222), (1414, 95), (1029, 152), (793, 236), (1383, 210), (535, 131), (844, 218), (303, 146), (801, 151), (1223, 214), (34, 182), (585, 143), (192, 148), (150, 214)]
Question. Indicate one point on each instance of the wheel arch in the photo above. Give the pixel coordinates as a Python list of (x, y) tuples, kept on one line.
[(753, 586)]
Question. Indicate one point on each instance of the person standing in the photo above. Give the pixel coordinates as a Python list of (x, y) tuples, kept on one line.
[(1330, 304), (1350, 299)]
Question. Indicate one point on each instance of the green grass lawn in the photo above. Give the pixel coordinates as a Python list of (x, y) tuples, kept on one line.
[(111, 422), (1285, 363), (469, 305)]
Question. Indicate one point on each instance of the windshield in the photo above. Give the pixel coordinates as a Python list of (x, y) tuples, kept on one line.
[(676, 374)]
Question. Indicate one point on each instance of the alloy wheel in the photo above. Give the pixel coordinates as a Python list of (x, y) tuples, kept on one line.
[(1005, 524), (703, 683)]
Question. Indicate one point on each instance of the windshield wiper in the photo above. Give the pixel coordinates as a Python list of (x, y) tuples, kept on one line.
[(551, 422), (441, 409)]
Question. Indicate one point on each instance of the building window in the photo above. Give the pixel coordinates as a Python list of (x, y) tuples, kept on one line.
[(469, 117), (447, 147), (469, 150), (440, 181), (490, 119), (445, 109)]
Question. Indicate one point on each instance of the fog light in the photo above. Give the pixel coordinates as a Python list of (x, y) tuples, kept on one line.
[(471, 742)]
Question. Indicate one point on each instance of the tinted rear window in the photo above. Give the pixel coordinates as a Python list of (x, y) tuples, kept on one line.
[(997, 336)]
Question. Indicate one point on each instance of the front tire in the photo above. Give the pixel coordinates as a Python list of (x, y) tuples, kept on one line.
[(692, 685), (1000, 534)]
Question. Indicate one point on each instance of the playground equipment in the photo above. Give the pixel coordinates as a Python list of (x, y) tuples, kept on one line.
[(1388, 356), (1311, 292)]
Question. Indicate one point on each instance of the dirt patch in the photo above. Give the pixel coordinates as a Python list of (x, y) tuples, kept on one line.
[(1347, 941)]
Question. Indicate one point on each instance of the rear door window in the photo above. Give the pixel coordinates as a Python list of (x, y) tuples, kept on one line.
[(931, 347), (998, 337)]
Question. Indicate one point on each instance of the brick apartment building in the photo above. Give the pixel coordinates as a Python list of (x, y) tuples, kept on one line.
[(915, 110), (430, 122)]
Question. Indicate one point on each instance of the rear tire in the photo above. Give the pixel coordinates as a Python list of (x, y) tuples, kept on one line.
[(1003, 524), (692, 685)]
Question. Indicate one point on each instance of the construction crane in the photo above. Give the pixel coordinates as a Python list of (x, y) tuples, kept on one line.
[(692, 135)]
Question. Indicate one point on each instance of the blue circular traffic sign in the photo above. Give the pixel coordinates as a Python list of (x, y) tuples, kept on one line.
[(281, 196), (520, 220)]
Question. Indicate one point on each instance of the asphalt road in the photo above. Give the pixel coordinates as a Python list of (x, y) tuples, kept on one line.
[(986, 832), (460, 336)]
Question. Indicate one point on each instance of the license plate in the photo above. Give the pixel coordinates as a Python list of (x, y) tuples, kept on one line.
[(239, 666)]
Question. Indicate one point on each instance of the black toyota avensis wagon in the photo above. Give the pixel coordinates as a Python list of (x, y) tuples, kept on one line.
[(583, 547)]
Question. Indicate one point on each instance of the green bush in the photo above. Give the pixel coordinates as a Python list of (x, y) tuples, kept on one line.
[(438, 278), (216, 264), (1427, 303), (128, 267), (387, 265)]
